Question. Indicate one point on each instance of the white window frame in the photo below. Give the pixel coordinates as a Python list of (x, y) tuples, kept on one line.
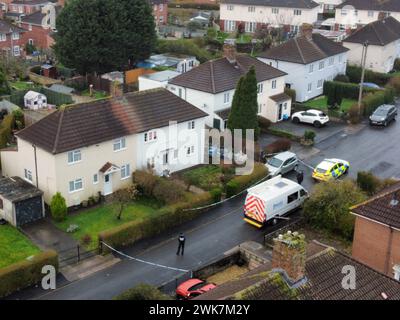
[(309, 88), (227, 98), (230, 7), (320, 83), (311, 68), (190, 151), (74, 156), (343, 12), (125, 171), (297, 12), (150, 136), (273, 84), (251, 9), (229, 25), (260, 88), (191, 125), (250, 27), (15, 36), (119, 144), (331, 61), (96, 178), (3, 37), (275, 10), (74, 183), (28, 175), (16, 51), (321, 65)]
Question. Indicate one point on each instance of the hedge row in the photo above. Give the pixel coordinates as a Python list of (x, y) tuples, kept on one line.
[(167, 217), (284, 134), (348, 90), (6, 127), (26, 272), (354, 74), (373, 100), (240, 183)]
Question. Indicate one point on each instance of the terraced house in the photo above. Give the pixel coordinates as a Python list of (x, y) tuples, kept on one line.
[(11, 39), (94, 147), (252, 14)]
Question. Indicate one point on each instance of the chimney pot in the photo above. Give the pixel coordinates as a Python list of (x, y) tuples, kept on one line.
[(229, 52), (307, 30)]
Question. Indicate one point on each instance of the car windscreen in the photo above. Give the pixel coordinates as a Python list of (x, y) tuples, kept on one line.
[(275, 162), (197, 286), (320, 170), (321, 114), (380, 112)]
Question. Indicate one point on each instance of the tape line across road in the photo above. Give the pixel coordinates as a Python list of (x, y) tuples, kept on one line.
[(143, 261)]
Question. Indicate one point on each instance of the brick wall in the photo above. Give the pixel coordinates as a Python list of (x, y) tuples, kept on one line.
[(160, 13), (41, 37), (374, 245)]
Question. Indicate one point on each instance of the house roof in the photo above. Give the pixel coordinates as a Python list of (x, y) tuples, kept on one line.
[(380, 208), (323, 282), (280, 97), (378, 33), (301, 4), (7, 28), (90, 123), (31, 2), (61, 88), (373, 5), (224, 114), (16, 189), (32, 94), (36, 18), (304, 50), (220, 75)]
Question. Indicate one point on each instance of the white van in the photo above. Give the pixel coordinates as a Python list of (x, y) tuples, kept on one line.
[(271, 199)]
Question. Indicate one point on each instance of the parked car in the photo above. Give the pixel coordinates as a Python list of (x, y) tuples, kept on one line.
[(193, 288), (330, 169), (314, 117), (371, 85), (383, 115), (282, 163)]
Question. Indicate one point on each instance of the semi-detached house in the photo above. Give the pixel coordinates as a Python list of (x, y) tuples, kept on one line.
[(309, 60), (211, 87), (84, 149), (253, 14)]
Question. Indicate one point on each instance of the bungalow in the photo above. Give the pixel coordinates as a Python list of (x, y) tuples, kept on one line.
[(383, 37), (85, 149), (211, 87), (309, 60)]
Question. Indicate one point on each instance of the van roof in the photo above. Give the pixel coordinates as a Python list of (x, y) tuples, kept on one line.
[(273, 188)]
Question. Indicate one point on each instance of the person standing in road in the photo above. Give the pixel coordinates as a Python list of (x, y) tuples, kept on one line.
[(181, 246), (299, 177)]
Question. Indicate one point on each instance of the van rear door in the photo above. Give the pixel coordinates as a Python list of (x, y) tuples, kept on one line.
[(254, 211)]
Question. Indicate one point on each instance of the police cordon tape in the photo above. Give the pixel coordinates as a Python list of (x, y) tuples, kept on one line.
[(143, 261)]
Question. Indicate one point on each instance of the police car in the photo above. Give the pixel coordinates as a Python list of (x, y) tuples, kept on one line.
[(330, 169)]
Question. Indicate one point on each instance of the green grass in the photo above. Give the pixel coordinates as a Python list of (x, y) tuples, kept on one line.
[(96, 94), (206, 177), (321, 103), (244, 38), (21, 85), (14, 246), (94, 220)]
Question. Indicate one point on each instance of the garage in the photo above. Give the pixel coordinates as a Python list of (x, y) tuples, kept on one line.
[(20, 201)]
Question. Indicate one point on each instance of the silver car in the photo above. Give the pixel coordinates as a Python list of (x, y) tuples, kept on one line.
[(282, 163)]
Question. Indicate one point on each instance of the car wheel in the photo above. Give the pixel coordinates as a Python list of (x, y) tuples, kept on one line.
[(296, 167), (317, 124), (385, 124), (346, 171), (296, 120)]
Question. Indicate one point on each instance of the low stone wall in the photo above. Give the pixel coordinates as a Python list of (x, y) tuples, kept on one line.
[(217, 265)]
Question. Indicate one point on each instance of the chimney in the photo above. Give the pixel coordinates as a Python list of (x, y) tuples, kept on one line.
[(307, 30), (289, 255), (229, 52)]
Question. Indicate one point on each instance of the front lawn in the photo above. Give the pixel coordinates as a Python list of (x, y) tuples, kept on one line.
[(94, 220), (322, 104), (14, 246), (206, 177), (22, 85)]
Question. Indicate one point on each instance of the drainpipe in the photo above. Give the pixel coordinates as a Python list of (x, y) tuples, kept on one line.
[(36, 168), (388, 251)]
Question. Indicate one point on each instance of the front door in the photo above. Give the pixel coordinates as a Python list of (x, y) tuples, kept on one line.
[(107, 184), (280, 112)]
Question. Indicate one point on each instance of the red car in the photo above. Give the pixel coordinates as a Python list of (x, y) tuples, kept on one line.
[(193, 288)]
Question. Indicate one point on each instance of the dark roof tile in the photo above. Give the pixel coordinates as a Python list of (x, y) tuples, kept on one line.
[(300, 4), (373, 5)]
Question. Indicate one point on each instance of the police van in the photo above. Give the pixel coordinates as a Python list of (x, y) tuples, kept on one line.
[(269, 200)]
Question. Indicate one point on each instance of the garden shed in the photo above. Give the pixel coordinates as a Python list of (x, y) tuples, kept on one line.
[(20, 201), (35, 100)]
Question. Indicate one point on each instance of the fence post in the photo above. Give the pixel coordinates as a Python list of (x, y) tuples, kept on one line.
[(79, 256), (100, 247)]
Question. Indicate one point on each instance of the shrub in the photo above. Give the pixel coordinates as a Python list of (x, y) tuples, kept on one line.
[(342, 78), (142, 291), (58, 207), (86, 239), (240, 183), (355, 114), (394, 84), (278, 146), (373, 100), (26, 272), (291, 93), (328, 207), (284, 134), (396, 66), (309, 135), (183, 46), (6, 127), (354, 74), (264, 123), (168, 191), (368, 182), (216, 194), (145, 181), (345, 90)]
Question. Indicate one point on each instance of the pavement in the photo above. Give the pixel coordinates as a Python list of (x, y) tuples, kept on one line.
[(222, 228)]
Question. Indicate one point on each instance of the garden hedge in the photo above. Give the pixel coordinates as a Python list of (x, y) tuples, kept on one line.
[(6, 127), (240, 183), (348, 90), (373, 100), (26, 272), (354, 74)]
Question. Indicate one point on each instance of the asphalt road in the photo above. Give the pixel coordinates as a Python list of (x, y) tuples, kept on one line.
[(222, 228)]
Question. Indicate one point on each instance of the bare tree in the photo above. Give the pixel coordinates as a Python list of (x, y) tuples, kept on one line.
[(122, 197)]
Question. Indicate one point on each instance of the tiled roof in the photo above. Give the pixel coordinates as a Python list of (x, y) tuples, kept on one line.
[(324, 282), (90, 123), (280, 97), (220, 75), (304, 50), (7, 28), (300, 4), (374, 5), (36, 18), (380, 208), (31, 2), (224, 114), (378, 33)]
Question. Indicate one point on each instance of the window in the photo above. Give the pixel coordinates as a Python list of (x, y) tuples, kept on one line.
[(343, 12), (320, 83), (292, 197), (275, 10), (165, 158), (180, 92), (3, 37), (15, 35), (311, 68), (340, 58), (297, 12), (370, 14), (331, 60), (342, 27), (119, 144), (30, 27), (260, 108), (250, 26), (229, 25), (251, 9), (191, 125), (150, 136), (273, 84), (229, 7), (75, 185), (190, 150), (16, 51), (226, 97), (28, 175), (95, 178), (161, 7), (125, 171), (260, 88), (309, 89), (321, 65), (150, 163), (30, 41), (74, 156)]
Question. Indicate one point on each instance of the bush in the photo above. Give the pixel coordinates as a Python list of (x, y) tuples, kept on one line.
[(367, 182), (342, 78), (145, 181), (183, 46), (86, 239), (278, 146), (19, 118), (168, 191), (58, 207), (291, 93), (396, 66), (373, 100), (142, 291), (6, 127), (240, 183), (354, 74), (216, 194), (26, 272), (328, 207), (355, 114), (284, 134), (394, 84), (263, 123), (309, 135), (345, 90)]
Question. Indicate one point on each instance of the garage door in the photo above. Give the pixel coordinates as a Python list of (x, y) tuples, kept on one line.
[(28, 210)]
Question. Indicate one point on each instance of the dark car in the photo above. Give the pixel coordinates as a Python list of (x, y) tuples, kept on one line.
[(383, 115)]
